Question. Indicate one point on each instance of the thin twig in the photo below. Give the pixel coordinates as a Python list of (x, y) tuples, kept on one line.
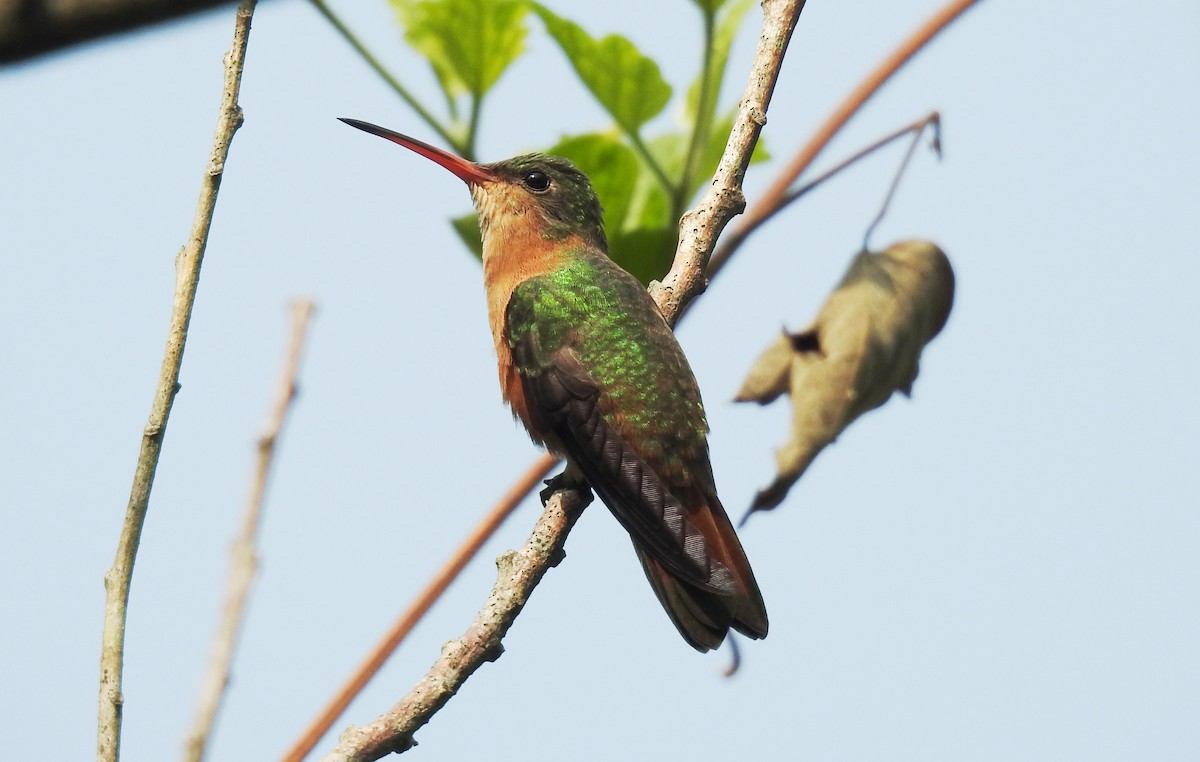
[(917, 129), (187, 277), (702, 225), (387, 77), (643, 151), (473, 126), (521, 571), (703, 123), (427, 597), (243, 561), (769, 203)]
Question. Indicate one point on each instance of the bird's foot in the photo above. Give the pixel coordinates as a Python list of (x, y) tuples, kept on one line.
[(570, 479)]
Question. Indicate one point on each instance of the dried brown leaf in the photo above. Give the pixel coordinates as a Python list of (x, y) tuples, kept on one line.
[(768, 377), (864, 345)]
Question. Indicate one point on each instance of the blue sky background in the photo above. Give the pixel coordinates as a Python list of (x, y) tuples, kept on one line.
[(1004, 567)]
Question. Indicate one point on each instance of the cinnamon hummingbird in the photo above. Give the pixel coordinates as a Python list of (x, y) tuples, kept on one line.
[(589, 365)]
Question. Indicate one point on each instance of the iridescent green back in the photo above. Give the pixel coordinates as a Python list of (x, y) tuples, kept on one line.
[(647, 390)]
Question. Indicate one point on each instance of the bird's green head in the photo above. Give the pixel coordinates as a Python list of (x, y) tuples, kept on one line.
[(549, 190)]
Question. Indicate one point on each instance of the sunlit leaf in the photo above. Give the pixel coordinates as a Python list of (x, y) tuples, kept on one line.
[(864, 345), (469, 43), (723, 33), (651, 207), (668, 149), (628, 84)]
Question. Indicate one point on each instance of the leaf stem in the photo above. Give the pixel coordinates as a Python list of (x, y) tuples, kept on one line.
[(917, 128), (655, 168), (703, 124), (468, 150), (374, 63), (702, 225)]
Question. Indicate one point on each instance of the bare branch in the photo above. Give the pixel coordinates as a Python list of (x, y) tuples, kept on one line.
[(521, 571), (187, 278), (702, 225), (419, 607), (244, 556), (774, 198)]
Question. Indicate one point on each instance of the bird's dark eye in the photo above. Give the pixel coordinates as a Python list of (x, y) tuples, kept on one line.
[(536, 181)]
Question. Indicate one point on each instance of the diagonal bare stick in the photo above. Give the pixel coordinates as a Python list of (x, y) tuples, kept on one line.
[(243, 555), (187, 278), (403, 625)]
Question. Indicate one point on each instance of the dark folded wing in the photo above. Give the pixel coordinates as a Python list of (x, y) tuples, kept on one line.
[(565, 400)]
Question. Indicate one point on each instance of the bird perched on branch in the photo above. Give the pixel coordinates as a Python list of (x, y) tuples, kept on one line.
[(592, 369)]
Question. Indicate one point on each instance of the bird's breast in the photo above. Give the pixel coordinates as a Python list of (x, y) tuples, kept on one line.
[(513, 252)]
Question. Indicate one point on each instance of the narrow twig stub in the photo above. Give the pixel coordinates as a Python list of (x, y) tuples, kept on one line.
[(244, 554)]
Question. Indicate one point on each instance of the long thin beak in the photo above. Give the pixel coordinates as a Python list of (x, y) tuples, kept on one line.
[(467, 171)]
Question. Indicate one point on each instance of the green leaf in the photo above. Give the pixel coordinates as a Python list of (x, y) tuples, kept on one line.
[(467, 227), (628, 84), (469, 43), (645, 245), (726, 28), (651, 205), (645, 252), (667, 149), (611, 165), (709, 7)]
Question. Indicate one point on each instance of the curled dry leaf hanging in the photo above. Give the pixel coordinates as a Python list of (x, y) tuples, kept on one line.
[(865, 344)]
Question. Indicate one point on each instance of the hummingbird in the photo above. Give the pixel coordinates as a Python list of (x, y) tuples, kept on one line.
[(590, 366)]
